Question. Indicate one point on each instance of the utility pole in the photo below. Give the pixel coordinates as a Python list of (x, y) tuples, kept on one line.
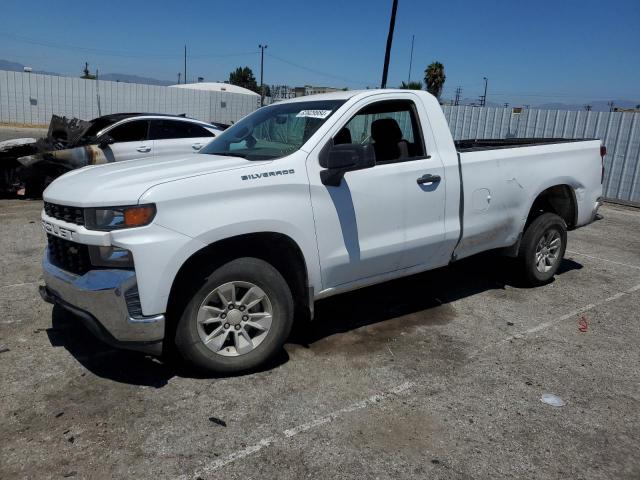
[(506, 105), (262, 47), (456, 102), (185, 64), (483, 98), (98, 93), (413, 37), (387, 53)]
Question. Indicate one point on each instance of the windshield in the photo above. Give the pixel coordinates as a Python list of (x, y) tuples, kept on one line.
[(273, 131)]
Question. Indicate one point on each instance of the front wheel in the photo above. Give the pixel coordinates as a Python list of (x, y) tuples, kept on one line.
[(542, 248), (238, 319)]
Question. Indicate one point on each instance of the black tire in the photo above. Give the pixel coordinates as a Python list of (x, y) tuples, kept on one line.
[(33, 188), (545, 224), (264, 276)]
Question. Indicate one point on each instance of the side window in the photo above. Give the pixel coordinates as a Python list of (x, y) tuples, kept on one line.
[(391, 126), (134, 131), (199, 131), (167, 129)]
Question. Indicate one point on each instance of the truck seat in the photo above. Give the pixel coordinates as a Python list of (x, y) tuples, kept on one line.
[(388, 141), (343, 137)]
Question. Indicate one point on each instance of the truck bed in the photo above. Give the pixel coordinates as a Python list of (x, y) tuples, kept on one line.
[(492, 144)]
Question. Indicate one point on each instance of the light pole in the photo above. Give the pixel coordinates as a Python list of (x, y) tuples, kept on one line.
[(413, 37), (262, 47), (484, 98)]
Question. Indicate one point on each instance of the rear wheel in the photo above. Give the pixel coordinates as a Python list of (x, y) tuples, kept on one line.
[(238, 319), (542, 248)]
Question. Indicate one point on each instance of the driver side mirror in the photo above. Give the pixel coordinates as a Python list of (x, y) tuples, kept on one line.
[(105, 141), (343, 158)]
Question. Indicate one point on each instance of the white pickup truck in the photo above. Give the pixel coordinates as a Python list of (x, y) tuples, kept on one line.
[(216, 253)]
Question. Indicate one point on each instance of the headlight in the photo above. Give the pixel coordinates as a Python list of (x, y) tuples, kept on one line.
[(110, 257), (114, 218)]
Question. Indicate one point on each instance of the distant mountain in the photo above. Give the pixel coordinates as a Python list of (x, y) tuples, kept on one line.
[(470, 102), (114, 77), (11, 66), (18, 67), (123, 77), (596, 106), (560, 106)]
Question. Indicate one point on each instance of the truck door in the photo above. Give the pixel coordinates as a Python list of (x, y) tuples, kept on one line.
[(424, 194), (380, 219)]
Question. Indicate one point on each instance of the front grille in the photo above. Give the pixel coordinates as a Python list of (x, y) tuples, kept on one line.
[(69, 256), (62, 212)]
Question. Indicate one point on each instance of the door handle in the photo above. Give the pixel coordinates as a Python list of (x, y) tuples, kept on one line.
[(428, 178), (144, 149), (196, 146)]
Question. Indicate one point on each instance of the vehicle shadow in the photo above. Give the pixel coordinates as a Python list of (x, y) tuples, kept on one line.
[(123, 366), (424, 294)]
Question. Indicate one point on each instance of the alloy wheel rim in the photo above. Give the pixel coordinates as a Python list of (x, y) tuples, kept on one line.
[(234, 318), (548, 251)]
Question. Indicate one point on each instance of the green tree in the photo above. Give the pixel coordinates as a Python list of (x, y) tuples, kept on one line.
[(411, 86), (434, 77), (243, 77)]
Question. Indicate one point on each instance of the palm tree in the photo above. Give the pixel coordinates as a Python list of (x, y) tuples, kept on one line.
[(434, 77), (411, 86)]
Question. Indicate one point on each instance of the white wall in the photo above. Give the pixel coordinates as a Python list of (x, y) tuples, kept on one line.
[(620, 132), (31, 98)]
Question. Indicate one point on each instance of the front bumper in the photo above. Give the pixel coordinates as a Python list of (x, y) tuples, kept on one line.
[(103, 300)]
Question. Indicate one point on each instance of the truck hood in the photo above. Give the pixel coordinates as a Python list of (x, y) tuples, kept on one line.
[(122, 183)]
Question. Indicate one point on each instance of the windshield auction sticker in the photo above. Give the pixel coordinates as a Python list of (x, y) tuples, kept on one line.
[(314, 113)]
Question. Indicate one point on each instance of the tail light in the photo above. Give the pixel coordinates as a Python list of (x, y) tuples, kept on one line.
[(603, 152)]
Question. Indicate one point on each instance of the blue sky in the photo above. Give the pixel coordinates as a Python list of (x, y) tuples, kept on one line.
[(532, 51)]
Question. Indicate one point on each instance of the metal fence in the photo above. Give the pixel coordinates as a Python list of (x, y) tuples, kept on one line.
[(620, 132), (31, 98)]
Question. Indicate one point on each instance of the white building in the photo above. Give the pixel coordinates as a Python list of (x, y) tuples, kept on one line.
[(217, 87)]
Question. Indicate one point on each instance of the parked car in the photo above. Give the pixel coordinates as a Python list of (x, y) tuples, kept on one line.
[(217, 252), (75, 143)]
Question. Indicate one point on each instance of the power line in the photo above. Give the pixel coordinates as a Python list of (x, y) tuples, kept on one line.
[(318, 72), (116, 53)]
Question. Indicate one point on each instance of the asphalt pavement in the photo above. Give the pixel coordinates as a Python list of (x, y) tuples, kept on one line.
[(438, 375)]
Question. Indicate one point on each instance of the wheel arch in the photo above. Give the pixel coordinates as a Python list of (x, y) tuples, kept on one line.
[(559, 199), (277, 249)]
